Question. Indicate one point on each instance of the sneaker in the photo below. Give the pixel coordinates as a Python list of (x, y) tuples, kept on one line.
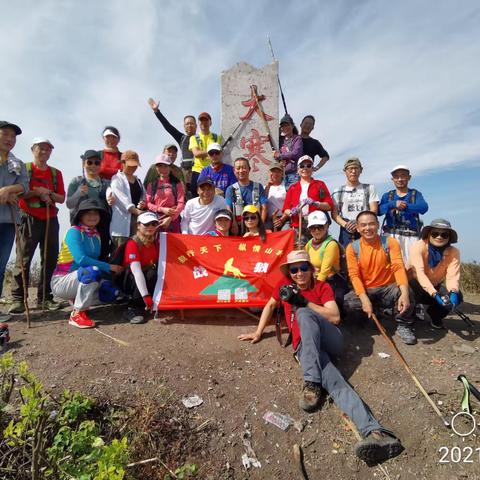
[(406, 334), (80, 319), (378, 447), (133, 317), (49, 305), (437, 323), (17, 307), (311, 396)]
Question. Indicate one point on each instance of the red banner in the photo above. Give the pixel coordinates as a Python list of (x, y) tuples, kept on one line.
[(219, 272)]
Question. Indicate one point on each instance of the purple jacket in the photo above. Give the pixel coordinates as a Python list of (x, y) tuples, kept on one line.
[(291, 150)]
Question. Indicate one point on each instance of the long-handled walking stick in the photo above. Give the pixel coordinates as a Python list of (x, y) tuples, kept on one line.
[(45, 256), (278, 77), (22, 267), (408, 369), (265, 123)]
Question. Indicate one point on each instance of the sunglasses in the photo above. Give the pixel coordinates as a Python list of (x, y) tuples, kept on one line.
[(443, 235), (304, 267), (93, 162), (306, 165), (213, 152), (249, 217), (316, 227), (151, 224)]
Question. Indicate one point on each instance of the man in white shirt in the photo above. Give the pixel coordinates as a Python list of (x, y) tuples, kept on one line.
[(351, 199), (198, 218)]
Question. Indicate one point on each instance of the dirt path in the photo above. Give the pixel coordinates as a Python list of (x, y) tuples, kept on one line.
[(239, 382)]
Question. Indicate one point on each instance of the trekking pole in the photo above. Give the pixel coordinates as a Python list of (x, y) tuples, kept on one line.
[(408, 369), (278, 77), (22, 267), (230, 137), (465, 318), (299, 243), (265, 123), (45, 255)]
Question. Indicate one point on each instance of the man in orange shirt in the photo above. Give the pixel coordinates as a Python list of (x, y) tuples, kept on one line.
[(378, 276)]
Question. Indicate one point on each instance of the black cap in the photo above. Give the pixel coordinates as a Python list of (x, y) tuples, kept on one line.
[(287, 119), (5, 124), (90, 154), (204, 180), (85, 205)]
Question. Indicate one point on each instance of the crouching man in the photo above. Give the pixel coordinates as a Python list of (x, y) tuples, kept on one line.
[(312, 318), (139, 256)]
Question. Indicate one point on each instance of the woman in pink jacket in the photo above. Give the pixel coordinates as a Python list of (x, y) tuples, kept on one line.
[(166, 196), (435, 271)]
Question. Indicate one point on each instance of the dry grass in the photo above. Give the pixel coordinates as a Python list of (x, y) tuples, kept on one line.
[(470, 277)]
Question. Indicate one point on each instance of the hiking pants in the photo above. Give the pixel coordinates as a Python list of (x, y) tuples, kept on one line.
[(383, 297), (345, 237), (434, 310), (7, 234), (128, 285), (319, 340), (32, 235), (69, 287)]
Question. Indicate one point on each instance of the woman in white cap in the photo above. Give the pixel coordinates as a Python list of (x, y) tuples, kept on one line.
[(223, 223), (110, 155), (435, 268), (166, 195), (139, 257), (325, 255)]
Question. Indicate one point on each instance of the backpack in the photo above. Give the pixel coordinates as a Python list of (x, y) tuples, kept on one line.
[(396, 223), (383, 241), (173, 183), (238, 203), (366, 196), (343, 272), (53, 171), (200, 143)]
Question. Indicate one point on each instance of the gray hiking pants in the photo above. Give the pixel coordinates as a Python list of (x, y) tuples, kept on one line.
[(319, 340), (383, 297), (69, 287)]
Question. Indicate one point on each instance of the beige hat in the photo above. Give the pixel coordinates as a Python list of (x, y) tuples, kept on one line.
[(352, 162), (277, 166), (295, 256)]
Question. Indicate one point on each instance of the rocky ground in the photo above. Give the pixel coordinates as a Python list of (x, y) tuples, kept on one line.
[(170, 358)]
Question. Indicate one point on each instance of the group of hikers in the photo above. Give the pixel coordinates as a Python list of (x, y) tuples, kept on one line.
[(111, 249)]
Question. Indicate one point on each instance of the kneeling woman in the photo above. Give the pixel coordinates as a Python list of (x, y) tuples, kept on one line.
[(78, 274), (140, 260), (435, 271), (325, 255)]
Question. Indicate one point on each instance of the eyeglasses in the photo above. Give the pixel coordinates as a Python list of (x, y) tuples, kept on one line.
[(304, 267), (151, 224), (306, 165), (443, 235), (250, 217), (93, 162)]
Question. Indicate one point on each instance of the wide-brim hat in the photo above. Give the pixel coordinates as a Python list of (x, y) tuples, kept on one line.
[(295, 256), (85, 205), (442, 224)]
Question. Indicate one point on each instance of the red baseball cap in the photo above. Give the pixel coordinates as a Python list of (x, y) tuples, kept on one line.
[(204, 115)]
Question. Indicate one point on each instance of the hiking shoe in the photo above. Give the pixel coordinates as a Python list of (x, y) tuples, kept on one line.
[(17, 307), (80, 319), (310, 397), (49, 305), (406, 334), (378, 447), (437, 323), (133, 317), (5, 317)]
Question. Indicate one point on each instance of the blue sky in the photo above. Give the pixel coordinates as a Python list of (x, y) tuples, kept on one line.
[(390, 82)]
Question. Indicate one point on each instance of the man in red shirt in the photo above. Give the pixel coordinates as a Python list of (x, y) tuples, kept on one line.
[(312, 318), (140, 260), (46, 189)]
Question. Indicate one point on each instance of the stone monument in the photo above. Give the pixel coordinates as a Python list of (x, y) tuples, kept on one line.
[(250, 116)]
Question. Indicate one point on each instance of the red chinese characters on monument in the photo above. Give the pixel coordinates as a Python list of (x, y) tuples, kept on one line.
[(253, 106), (254, 148)]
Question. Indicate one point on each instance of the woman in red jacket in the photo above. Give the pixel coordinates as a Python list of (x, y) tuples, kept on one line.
[(304, 197), (110, 155)]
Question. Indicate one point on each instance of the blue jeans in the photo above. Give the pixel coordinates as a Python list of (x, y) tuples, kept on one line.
[(7, 234)]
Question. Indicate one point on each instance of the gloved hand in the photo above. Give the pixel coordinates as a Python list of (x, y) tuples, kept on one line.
[(148, 302), (298, 300), (454, 300), (294, 211), (88, 275), (108, 292), (309, 201)]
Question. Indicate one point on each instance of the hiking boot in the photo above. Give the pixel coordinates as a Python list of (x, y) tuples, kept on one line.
[(134, 317), (378, 447), (311, 396), (406, 334), (80, 319), (17, 307), (49, 305), (437, 323)]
